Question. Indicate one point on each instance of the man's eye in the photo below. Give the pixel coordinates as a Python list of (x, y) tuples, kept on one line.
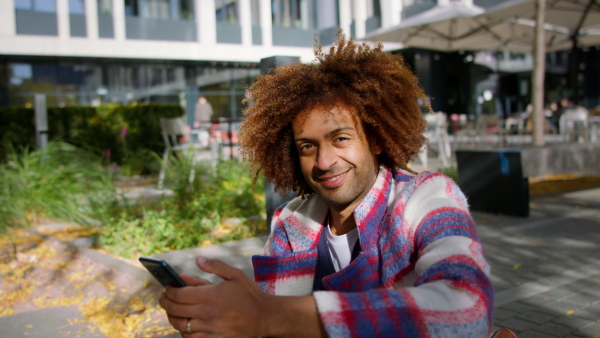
[(305, 147), (341, 139)]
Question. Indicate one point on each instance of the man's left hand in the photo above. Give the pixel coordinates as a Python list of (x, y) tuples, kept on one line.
[(233, 307)]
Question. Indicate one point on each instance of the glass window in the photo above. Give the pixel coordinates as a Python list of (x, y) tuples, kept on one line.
[(373, 9), (24, 4), (171, 74), (36, 5), (156, 76), (226, 11), (104, 7), (292, 13), (76, 7), (255, 12), (131, 8), (26, 79), (20, 72), (186, 9), (155, 9), (44, 6), (160, 9)]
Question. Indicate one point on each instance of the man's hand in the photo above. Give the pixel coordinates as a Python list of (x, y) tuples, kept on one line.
[(237, 307)]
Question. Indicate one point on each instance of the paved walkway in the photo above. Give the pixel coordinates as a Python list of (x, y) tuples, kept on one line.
[(545, 270)]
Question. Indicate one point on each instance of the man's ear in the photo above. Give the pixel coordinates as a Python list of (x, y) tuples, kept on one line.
[(376, 147)]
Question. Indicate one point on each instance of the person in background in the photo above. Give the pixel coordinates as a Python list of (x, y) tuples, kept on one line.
[(202, 116), (369, 247), (203, 113)]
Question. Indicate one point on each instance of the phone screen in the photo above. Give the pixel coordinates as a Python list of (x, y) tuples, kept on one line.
[(162, 271)]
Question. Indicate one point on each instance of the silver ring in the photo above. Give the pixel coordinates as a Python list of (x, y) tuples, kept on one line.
[(188, 326)]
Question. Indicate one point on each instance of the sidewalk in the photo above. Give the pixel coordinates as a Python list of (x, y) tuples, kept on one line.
[(545, 271)]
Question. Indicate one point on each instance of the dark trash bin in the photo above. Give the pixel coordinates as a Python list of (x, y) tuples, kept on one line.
[(493, 181)]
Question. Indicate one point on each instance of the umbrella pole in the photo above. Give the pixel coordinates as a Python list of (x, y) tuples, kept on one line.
[(539, 68), (575, 70)]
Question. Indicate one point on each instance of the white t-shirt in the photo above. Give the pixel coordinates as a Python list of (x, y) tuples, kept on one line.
[(341, 247)]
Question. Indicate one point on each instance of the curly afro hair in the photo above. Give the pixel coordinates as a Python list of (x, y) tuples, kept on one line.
[(380, 87)]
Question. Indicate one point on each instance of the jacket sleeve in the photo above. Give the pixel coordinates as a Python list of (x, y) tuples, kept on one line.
[(436, 280)]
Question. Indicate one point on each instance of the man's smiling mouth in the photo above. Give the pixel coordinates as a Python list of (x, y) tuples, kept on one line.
[(333, 177)]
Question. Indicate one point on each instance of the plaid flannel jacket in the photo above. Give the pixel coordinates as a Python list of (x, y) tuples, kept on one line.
[(421, 272)]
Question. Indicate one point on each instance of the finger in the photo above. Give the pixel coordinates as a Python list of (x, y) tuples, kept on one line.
[(177, 309), (187, 295), (196, 326), (217, 267), (194, 281)]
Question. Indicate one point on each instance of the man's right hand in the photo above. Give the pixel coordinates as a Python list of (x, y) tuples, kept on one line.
[(237, 307)]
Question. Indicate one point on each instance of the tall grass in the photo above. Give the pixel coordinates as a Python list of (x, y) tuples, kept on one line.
[(219, 205), (60, 182), (65, 183)]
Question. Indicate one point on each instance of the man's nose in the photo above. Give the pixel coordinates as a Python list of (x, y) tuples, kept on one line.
[(326, 158)]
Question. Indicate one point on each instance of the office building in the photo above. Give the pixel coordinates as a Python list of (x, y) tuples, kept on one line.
[(92, 52)]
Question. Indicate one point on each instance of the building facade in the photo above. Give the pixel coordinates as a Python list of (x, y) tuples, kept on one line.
[(92, 52)]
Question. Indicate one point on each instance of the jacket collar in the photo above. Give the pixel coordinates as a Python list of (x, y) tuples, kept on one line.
[(304, 225)]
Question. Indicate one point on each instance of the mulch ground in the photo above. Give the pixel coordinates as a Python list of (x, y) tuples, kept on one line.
[(46, 273)]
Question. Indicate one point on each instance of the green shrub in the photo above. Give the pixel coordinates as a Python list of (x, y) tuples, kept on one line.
[(196, 214), (65, 183), (17, 129), (60, 182), (125, 135)]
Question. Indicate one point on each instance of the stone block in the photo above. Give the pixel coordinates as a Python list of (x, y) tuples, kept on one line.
[(504, 314), (537, 317), (555, 329), (517, 324)]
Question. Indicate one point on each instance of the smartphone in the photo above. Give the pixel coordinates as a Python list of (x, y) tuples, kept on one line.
[(162, 271)]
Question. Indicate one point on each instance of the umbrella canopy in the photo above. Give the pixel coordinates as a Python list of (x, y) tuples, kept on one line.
[(457, 26), (580, 17), (576, 15)]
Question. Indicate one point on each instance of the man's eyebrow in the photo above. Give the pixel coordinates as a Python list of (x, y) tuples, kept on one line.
[(340, 129), (329, 134)]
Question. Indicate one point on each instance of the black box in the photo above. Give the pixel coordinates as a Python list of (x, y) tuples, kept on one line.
[(493, 181)]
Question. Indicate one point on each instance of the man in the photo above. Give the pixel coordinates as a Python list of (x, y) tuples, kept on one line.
[(203, 113), (368, 248)]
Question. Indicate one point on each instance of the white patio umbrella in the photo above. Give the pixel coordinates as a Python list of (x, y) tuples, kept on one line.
[(456, 26), (431, 28), (576, 15)]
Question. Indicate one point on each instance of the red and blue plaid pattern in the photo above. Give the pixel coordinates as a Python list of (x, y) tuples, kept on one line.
[(421, 272)]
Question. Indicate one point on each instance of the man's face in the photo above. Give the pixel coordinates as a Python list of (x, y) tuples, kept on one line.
[(337, 158)]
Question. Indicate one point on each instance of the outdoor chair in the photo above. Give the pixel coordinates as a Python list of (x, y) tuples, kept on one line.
[(573, 125), (488, 126), (225, 137), (466, 132), (437, 133), (514, 125), (513, 129), (178, 137), (485, 128), (594, 127)]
